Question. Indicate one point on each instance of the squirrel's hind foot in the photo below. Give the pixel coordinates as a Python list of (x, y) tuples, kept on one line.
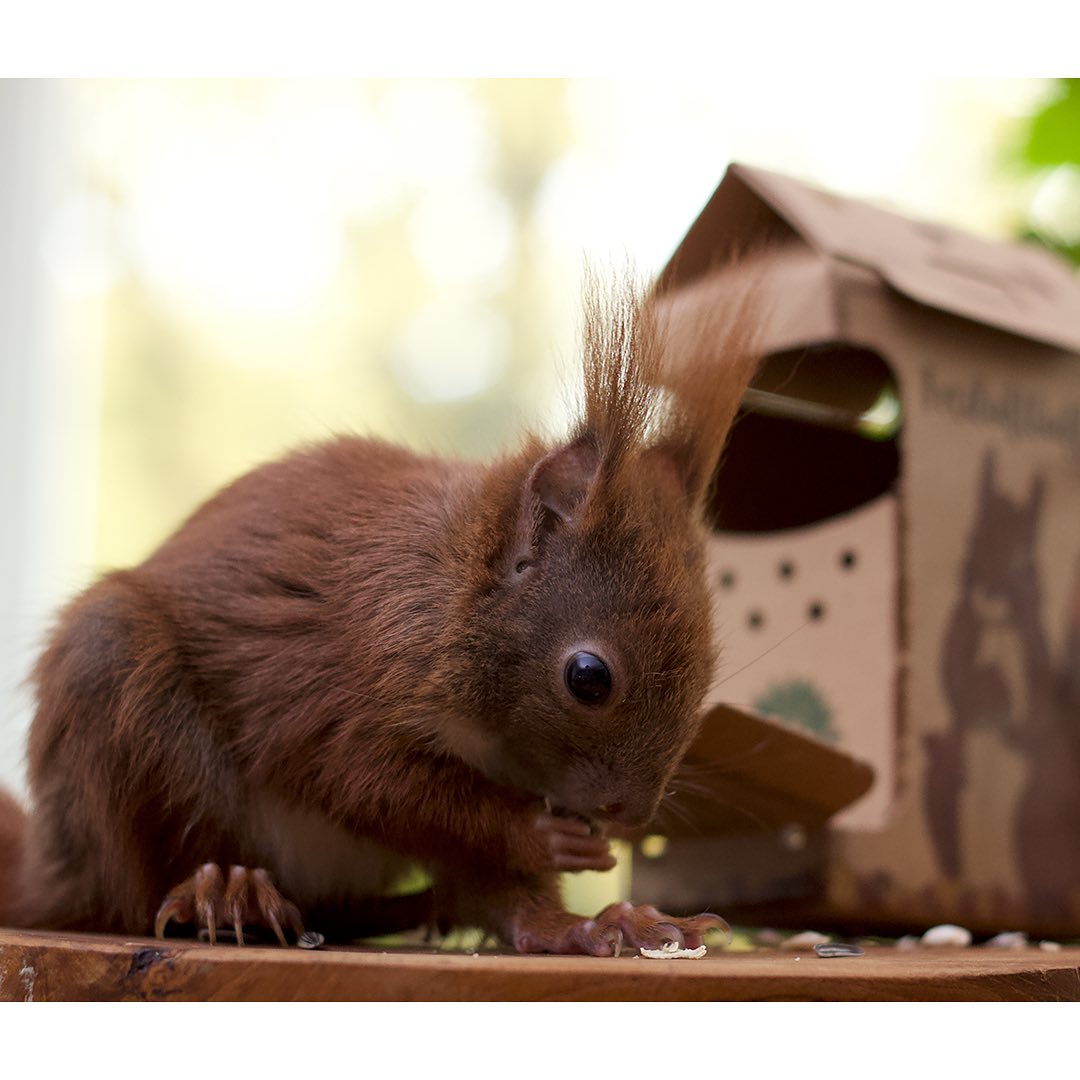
[(248, 898)]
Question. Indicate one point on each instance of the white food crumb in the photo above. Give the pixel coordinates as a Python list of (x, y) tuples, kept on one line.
[(947, 934), (1009, 939), (1050, 946), (806, 940), (671, 951)]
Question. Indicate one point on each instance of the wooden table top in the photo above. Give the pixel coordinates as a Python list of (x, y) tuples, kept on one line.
[(43, 966)]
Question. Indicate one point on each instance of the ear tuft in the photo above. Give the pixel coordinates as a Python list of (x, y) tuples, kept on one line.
[(668, 370)]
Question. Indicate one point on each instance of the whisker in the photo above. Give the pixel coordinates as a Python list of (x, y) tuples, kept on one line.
[(706, 794), (720, 768), (756, 819), (671, 809), (702, 792), (679, 783), (775, 645)]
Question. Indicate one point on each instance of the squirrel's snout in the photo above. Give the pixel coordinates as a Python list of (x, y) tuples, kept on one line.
[(623, 804), (622, 814)]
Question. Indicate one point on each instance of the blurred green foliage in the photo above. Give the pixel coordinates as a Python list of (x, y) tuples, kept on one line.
[(1053, 137), (1051, 142)]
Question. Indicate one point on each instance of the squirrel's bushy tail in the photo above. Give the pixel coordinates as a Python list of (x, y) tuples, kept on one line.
[(12, 830)]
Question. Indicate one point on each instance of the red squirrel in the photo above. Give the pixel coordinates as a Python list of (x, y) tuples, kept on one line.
[(358, 658)]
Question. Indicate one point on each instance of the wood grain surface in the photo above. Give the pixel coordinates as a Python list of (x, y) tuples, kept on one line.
[(42, 966)]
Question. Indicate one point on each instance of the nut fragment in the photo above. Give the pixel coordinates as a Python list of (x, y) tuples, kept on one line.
[(1009, 939), (768, 938), (806, 940), (670, 951), (947, 934)]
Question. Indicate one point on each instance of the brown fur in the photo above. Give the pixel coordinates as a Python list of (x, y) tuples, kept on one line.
[(373, 641), (12, 822)]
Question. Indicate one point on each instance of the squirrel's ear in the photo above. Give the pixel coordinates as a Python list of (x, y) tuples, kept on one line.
[(555, 494), (666, 469), (560, 482)]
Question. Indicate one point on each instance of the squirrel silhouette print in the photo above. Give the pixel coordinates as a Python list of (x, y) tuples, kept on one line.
[(1036, 713)]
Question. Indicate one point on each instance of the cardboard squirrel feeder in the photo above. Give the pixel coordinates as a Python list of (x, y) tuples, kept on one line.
[(896, 566)]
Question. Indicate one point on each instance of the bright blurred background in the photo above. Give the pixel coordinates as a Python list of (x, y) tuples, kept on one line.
[(195, 276)]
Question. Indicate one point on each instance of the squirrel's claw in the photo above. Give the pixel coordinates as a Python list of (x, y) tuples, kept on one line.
[(618, 925), (250, 899), (171, 908)]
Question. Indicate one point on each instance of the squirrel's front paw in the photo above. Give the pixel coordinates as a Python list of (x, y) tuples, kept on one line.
[(249, 898), (618, 925), (572, 843)]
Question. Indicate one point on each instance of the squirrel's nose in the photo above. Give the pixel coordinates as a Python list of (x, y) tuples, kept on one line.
[(631, 817), (601, 793)]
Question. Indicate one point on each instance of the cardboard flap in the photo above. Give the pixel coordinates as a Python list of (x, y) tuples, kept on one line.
[(1016, 287), (748, 773), (1020, 288)]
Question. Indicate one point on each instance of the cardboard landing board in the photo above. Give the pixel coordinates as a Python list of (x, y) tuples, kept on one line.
[(762, 774)]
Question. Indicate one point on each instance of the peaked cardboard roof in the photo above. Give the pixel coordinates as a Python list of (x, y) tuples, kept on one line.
[(1020, 288)]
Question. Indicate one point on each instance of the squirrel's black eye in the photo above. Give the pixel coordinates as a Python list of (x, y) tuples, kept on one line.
[(587, 678)]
